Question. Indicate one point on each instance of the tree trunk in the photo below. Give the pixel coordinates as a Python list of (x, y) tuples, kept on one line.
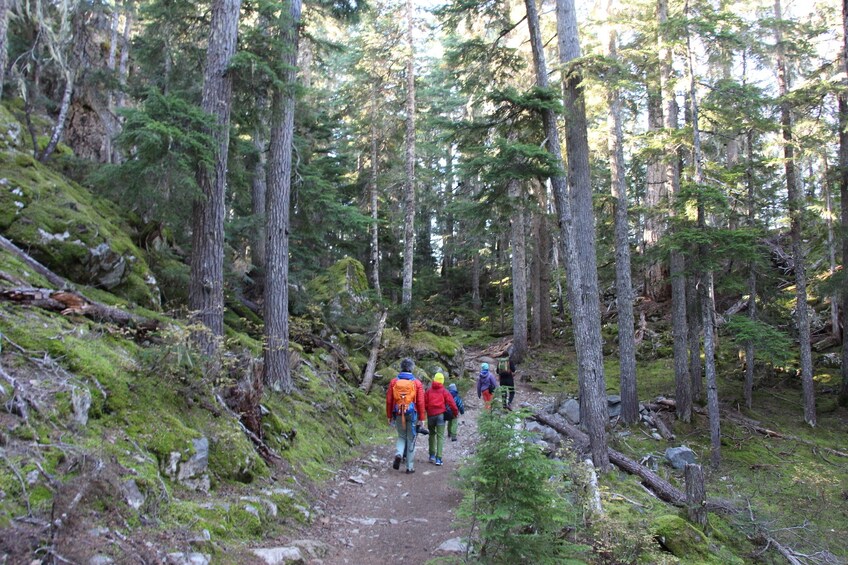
[(706, 277), (655, 277), (683, 383), (123, 65), (519, 273), (409, 184), (59, 128), (368, 376), (4, 43), (623, 282), (375, 225), (447, 234), (535, 281), (587, 308), (752, 274), (696, 495), (795, 205), (476, 303), (259, 196), (843, 196), (831, 248), (277, 374), (206, 286)]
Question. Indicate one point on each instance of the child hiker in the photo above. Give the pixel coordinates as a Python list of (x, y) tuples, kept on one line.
[(486, 385), (453, 420), (437, 400)]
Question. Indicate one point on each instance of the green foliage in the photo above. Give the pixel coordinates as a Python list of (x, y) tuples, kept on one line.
[(515, 497), (770, 344), (167, 141)]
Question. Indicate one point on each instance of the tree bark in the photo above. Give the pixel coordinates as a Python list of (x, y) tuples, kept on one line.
[(656, 196), (123, 65), (59, 128), (843, 196), (623, 281), (683, 388), (373, 195), (705, 283), (795, 205), (277, 374), (368, 376), (752, 274), (519, 276), (409, 184), (587, 308), (4, 42), (831, 248), (206, 286), (696, 495), (536, 281), (259, 196)]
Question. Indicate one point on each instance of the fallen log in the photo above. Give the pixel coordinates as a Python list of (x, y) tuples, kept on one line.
[(51, 277), (69, 302), (659, 486), (368, 375)]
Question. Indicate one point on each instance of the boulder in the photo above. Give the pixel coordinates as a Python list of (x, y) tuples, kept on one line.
[(106, 268), (454, 545), (280, 555), (570, 410), (678, 457), (614, 405), (132, 494)]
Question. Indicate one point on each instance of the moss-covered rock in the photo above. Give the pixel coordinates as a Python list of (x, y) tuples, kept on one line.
[(688, 543), (72, 232), (342, 292)]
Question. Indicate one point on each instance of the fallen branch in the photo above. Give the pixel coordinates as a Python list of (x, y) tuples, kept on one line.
[(264, 449), (661, 426), (662, 488), (784, 551), (69, 302), (368, 375)]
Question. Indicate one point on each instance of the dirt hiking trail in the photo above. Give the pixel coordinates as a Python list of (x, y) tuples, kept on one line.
[(373, 514)]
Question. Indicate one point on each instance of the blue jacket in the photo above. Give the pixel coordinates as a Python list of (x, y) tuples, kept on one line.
[(458, 400)]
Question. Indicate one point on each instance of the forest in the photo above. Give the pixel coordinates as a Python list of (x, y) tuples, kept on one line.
[(223, 223)]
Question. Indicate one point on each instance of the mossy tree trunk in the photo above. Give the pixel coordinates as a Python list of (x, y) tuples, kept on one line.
[(206, 286), (752, 273), (4, 44), (277, 374)]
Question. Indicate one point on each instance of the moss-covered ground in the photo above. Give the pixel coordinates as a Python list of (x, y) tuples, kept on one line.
[(791, 491)]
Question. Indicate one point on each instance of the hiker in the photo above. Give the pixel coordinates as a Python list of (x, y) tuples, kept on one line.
[(453, 419), (506, 378), (405, 409), (437, 400), (486, 385)]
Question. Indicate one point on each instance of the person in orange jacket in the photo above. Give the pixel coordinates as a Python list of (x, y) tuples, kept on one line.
[(437, 400), (405, 409)]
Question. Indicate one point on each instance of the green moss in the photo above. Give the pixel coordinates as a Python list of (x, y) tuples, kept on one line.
[(444, 346), (58, 221)]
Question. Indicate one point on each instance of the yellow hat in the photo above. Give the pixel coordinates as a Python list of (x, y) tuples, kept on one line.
[(439, 378)]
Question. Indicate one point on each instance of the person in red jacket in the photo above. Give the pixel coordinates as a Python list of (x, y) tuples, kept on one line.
[(437, 399), (405, 409)]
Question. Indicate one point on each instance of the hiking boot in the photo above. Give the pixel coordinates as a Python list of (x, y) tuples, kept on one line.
[(438, 461), (396, 464), (433, 459), (408, 471), (453, 438)]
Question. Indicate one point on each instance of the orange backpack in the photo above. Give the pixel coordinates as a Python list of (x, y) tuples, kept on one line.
[(404, 396)]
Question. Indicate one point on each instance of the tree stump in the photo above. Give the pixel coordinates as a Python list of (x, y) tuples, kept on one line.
[(696, 495)]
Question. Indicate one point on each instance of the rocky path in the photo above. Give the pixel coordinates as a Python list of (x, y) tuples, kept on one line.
[(373, 514)]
